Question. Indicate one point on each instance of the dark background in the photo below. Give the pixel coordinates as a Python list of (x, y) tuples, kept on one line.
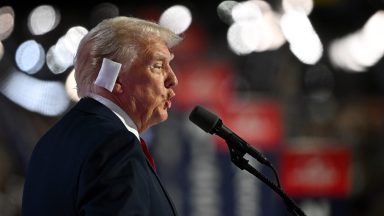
[(351, 116)]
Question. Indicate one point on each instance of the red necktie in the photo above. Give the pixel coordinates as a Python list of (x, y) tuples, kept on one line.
[(147, 153)]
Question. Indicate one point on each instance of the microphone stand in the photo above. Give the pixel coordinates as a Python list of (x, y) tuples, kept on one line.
[(237, 151)]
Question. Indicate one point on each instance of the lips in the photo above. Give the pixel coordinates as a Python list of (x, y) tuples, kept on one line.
[(168, 104)]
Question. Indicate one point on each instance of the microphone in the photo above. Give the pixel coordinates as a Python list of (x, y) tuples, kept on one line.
[(224, 11), (212, 124)]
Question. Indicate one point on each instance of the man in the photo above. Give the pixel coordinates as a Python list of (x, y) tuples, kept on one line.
[(93, 161)]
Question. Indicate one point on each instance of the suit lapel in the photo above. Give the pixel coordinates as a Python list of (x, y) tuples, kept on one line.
[(90, 105), (162, 187)]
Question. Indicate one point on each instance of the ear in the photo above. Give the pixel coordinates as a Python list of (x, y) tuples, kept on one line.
[(118, 87)]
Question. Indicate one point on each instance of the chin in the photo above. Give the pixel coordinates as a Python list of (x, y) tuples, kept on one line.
[(162, 116)]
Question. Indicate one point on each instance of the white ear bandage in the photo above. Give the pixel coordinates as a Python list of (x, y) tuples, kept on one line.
[(108, 74)]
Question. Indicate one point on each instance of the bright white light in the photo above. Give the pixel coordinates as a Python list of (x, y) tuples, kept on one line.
[(70, 86), (55, 62), (305, 6), (1, 50), (242, 37), (304, 43), (272, 31), (73, 38), (246, 11), (176, 18), (362, 49), (293, 23), (45, 97), (341, 54), (43, 19), (256, 28), (264, 6), (7, 22), (372, 36), (309, 51), (30, 56), (60, 56), (254, 36), (63, 52)]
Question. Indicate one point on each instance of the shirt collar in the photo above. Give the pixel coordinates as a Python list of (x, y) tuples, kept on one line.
[(123, 116)]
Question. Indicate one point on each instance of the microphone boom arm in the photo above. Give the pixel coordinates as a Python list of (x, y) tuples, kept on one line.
[(212, 124), (238, 148), (237, 157)]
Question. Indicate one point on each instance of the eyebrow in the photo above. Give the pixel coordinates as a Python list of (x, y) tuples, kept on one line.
[(162, 56)]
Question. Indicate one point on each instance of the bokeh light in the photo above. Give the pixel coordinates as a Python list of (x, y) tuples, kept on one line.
[(256, 28), (224, 11), (245, 11), (305, 6), (55, 62), (242, 37), (73, 38), (361, 49), (43, 19), (270, 26), (30, 56), (304, 42), (7, 22), (60, 56), (372, 34), (1, 50), (342, 53), (176, 18), (70, 86), (262, 28), (45, 97)]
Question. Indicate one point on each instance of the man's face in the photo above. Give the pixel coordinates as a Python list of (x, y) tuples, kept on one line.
[(148, 86)]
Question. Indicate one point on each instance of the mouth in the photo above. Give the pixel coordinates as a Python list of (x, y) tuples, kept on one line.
[(168, 104)]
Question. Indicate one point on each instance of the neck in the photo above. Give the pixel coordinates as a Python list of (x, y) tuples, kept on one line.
[(126, 104)]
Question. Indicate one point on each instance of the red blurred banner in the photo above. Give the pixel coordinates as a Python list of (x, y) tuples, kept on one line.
[(208, 83), (316, 172), (258, 122)]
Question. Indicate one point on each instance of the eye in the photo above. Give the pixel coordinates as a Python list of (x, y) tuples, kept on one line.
[(157, 65)]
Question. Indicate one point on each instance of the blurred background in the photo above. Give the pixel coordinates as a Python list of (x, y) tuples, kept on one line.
[(300, 80)]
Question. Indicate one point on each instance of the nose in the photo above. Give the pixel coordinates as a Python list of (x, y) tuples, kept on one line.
[(171, 80)]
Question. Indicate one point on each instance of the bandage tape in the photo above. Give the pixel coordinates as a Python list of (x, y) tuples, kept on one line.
[(108, 74)]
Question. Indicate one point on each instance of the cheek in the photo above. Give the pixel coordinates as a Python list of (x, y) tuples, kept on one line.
[(152, 95), (149, 91), (156, 88)]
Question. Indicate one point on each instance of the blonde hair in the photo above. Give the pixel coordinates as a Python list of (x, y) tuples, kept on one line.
[(120, 39)]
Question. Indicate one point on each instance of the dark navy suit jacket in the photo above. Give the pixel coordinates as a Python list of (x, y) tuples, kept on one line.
[(90, 164)]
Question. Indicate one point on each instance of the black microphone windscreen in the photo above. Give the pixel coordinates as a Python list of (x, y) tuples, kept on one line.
[(203, 118)]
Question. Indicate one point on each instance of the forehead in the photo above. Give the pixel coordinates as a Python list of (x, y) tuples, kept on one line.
[(158, 50)]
